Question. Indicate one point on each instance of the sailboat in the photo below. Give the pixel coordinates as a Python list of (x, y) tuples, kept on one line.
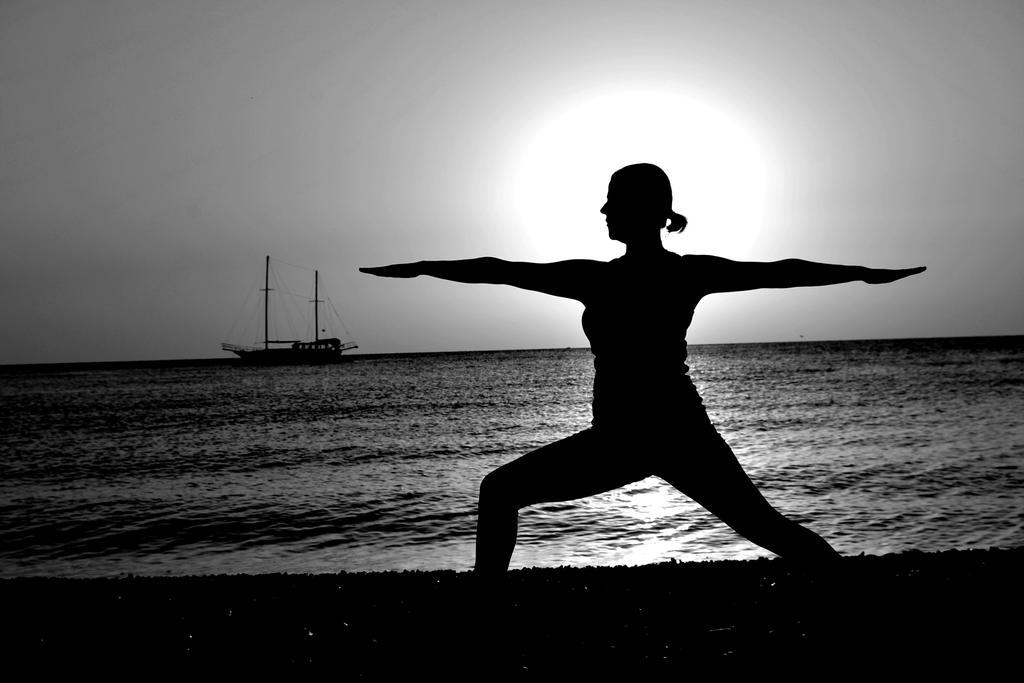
[(292, 351)]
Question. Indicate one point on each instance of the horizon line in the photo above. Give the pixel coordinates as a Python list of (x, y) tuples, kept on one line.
[(228, 360)]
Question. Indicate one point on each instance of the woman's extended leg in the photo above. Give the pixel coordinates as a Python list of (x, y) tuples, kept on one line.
[(711, 475), (581, 465)]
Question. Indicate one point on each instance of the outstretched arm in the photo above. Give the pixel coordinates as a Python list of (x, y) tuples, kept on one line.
[(570, 279), (722, 275)]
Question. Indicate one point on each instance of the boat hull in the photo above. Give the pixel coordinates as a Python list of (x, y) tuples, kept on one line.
[(290, 357)]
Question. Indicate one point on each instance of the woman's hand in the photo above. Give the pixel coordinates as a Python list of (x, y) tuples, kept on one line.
[(395, 270), (879, 276)]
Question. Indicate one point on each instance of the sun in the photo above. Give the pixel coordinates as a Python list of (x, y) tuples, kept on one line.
[(560, 180)]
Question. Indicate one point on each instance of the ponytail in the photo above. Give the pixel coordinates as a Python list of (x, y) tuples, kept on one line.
[(677, 222)]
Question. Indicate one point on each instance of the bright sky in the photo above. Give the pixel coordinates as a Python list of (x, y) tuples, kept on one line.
[(154, 152)]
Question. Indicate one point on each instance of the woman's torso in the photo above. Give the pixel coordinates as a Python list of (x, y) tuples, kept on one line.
[(636, 321)]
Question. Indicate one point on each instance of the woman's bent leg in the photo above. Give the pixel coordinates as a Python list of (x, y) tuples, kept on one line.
[(578, 466), (712, 476)]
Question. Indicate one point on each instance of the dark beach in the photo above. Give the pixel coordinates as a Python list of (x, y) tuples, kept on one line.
[(916, 610)]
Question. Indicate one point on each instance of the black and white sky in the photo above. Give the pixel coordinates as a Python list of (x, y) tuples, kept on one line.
[(154, 152)]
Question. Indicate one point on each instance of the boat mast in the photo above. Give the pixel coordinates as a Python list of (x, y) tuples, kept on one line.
[(266, 307), (316, 307)]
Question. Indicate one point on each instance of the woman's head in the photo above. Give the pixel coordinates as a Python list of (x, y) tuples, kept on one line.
[(640, 199)]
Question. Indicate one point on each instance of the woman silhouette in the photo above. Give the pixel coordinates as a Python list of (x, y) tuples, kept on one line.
[(647, 416)]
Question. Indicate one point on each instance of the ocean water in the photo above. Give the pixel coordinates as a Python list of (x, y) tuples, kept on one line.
[(879, 446)]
